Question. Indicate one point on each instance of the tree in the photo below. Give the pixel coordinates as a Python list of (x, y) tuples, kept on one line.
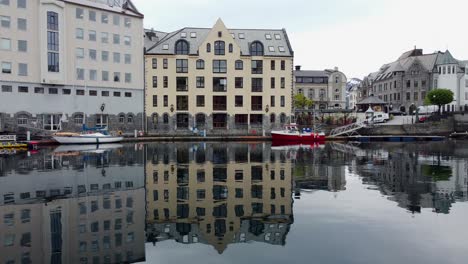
[(439, 97), (300, 103)]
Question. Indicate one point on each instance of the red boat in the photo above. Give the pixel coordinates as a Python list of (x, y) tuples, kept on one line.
[(291, 133)]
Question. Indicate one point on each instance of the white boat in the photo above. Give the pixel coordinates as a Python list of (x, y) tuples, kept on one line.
[(86, 148), (92, 138)]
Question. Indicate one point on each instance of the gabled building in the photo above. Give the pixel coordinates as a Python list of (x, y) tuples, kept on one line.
[(65, 63), (327, 88), (217, 79), (404, 83)]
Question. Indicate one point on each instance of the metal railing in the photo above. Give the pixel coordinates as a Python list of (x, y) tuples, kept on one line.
[(347, 130)]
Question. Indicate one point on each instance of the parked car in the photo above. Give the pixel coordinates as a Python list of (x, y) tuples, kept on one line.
[(379, 117), (428, 109), (397, 113)]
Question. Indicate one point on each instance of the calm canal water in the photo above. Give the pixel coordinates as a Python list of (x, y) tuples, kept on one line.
[(236, 203)]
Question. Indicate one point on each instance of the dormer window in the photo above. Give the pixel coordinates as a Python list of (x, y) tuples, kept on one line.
[(271, 49), (281, 49), (277, 36), (256, 49), (193, 34), (182, 47), (268, 36), (165, 46), (219, 48), (183, 34), (241, 36)]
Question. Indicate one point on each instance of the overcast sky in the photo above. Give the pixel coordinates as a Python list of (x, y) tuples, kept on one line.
[(358, 36)]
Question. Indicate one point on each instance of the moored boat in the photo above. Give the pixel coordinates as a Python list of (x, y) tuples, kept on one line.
[(88, 136), (291, 133)]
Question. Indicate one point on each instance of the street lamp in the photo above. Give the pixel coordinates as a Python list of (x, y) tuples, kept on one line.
[(172, 108), (267, 108)]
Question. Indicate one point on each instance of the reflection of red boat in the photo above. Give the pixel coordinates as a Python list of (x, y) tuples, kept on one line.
[(291, 133)]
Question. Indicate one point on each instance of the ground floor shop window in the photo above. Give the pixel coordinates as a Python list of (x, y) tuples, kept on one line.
[(241, 121), (182, 120), (219, 120)]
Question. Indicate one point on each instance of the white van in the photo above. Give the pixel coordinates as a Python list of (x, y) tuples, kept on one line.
[(428, 109), (379, 117)]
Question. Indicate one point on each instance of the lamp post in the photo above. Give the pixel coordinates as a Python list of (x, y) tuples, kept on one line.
[(102, 108)]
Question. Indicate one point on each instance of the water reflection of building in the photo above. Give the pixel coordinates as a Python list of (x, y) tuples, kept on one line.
[(416, 176), (320, 169), (218, 194), (65, 209)]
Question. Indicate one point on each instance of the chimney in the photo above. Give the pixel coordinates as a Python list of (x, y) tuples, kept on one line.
[(336, 68), (298, 67)]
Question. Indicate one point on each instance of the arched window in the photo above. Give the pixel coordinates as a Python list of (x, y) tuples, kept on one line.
[(154, 119), (166, 118), (121, 118), (283, 118), (239, 65), (200, 121), (200, 64), (272, 118), (220, 48), (208, 47), (130, 119), (22, 119), (256, 49), (78, 119), (231, 48), (182, 47)]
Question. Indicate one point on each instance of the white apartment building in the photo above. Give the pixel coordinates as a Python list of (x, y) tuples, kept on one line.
[(65, 63)]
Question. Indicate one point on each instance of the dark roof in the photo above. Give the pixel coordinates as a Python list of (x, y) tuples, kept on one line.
[(311, 73)]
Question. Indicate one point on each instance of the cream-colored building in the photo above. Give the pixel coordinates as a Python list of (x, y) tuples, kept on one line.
[(68, 62), (217, 79), (218, 195), (326, 88)]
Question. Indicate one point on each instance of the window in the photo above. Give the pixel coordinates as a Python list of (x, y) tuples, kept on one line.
[(79, 13), (238, 101), (5, 21), (208, 47), (241, 36), (116, 94), (92, 35), (271, 49), (128, 94), (79, 53), (283, 65), (105, 75), (6, 67), (92, 93), (165, 82), (104, 37), (116, 76), (239, 65), (268, 36), (256, 103), (5, 2), (105, 93), (165, 47), (219, 66), (80, 74), (200, 64), (408, 84), (415, 96), (219, 103), (80, 92), (256, 49), (22, 69), (416, 84), (272, 83), (121, 120), (127, 22), (272, 65), (182, 103), (181, 66), (182, 47), (127, 40), (53, 91), (39, 90), (92, 54), (282, 101), (79, 33), (116, 57), (7, 88), (277, 36), (408, 96), (154, 63), (129, 118), (155, 81), (22, 24), (200, 100), (231, 48), (283, 82), (200, 82), (239, 82), (92, 15), (116, 39), (23, 89), (165, 63), (281, 49), (128, 77), (5, 44), (219, 84), (165, 101), (116, 20), (182, 84), (257, 67), (219, 47), (21, 4), (257, 84)]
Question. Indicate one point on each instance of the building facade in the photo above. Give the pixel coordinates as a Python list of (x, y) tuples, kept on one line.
[(404, 84), (65, 63), (220, 80), (326, 88)]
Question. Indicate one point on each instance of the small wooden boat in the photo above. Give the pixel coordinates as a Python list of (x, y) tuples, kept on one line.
[(91, 138), (291, 133)]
